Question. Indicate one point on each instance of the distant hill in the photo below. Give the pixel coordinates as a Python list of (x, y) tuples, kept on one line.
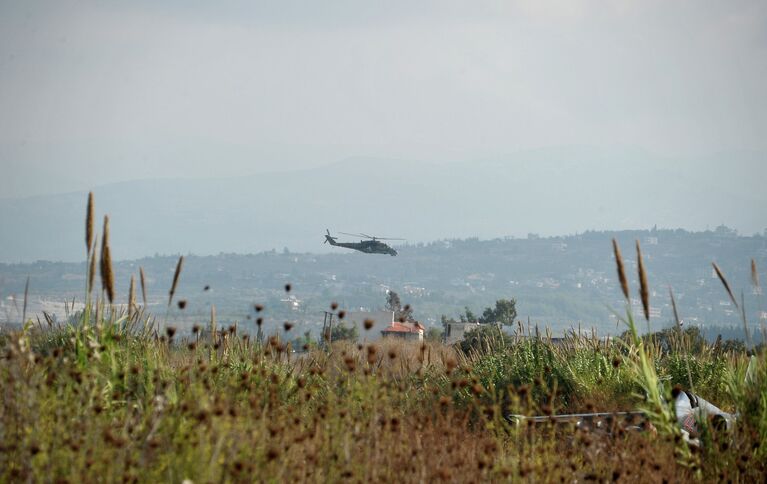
[(562, 281), (548, 192)]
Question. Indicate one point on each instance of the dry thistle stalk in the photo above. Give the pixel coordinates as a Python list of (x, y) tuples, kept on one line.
[(754, 274), (176, 276), (726, 285), (89, 224), (26, 297), (213, 321), (673, 307), (143, 284), (621, 270), (644, 290)]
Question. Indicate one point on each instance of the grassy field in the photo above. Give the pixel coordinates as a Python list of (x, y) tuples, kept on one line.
[(112, 397), (105, 402)]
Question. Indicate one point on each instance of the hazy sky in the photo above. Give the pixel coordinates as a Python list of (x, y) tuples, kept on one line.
[(94, 92)]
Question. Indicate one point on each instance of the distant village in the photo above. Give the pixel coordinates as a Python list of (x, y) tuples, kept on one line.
[(557, 282)]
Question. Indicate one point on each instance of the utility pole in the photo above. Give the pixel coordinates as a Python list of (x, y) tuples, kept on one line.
[(327, 330)]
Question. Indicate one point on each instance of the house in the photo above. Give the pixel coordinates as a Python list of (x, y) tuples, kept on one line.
[(455, 330), (406, 331)]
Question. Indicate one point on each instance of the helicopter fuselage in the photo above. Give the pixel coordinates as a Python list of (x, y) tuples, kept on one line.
[(365, 246)]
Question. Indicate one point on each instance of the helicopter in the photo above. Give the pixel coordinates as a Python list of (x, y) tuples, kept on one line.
[(371, 246)]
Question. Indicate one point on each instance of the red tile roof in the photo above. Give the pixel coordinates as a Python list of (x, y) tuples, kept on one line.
[(403, 328)]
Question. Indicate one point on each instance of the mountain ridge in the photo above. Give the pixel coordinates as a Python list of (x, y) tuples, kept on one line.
[(419, 201)]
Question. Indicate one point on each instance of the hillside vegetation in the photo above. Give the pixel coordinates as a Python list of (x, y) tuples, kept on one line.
[(557, 281)]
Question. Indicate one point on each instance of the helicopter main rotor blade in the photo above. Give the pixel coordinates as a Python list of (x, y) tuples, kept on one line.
[(366, 236), (379, 238)]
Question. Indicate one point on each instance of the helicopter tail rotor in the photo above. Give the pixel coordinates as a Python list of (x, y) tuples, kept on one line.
[(329, 238)]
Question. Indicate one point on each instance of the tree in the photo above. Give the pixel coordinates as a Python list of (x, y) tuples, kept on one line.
[(341, 331), (504, 312), (392, 301), (468, 316), (394, 304)]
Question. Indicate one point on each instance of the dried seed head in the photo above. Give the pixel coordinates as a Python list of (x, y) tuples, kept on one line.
[(105, 235), (288, 326), (726, 285), (287, 287), (754, 274), (107, 274), (92, 268), (258, 308), (131, 295), (176, 276), (644, 290), (181, 304), (621, 269), (142, 279), (341, 314), (371, 357), (333, 306), (272, 454), (89, 223), (368, 323)]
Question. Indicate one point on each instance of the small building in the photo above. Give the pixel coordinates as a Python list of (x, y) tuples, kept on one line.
[(406, 331), (455, 330)]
